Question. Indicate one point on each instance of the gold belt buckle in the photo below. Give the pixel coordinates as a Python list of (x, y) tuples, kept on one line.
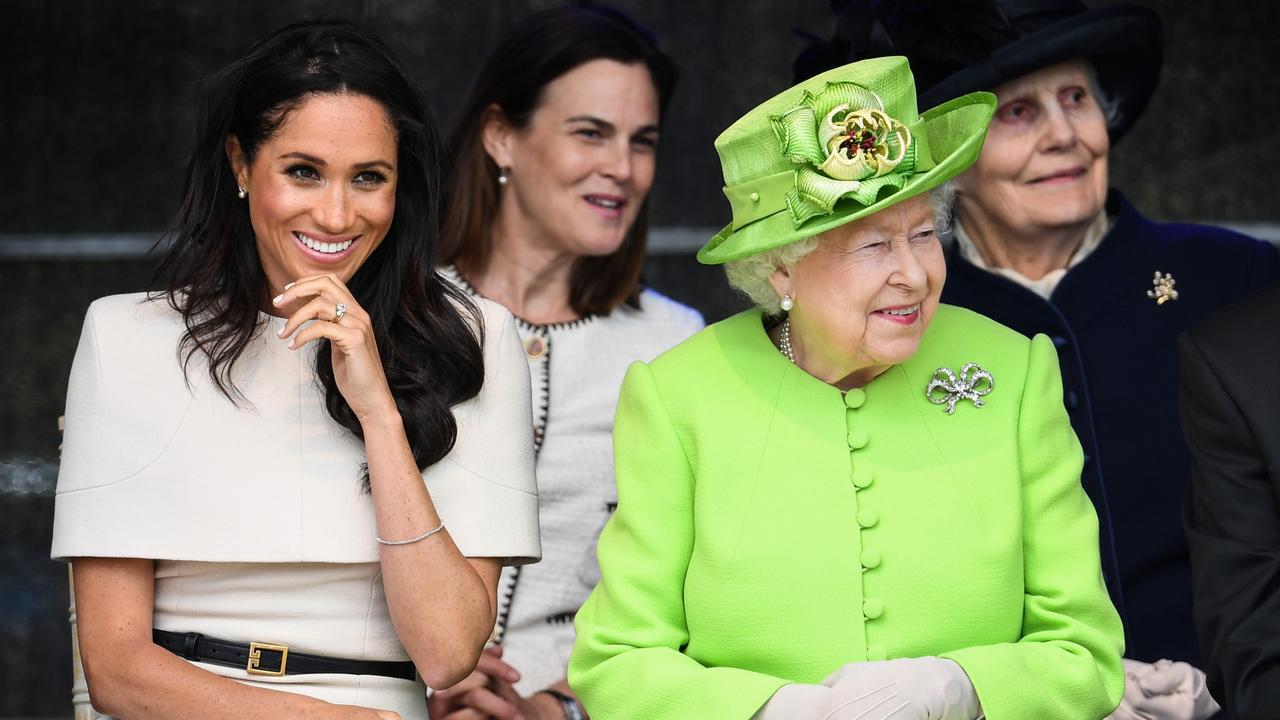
[(254, 666)]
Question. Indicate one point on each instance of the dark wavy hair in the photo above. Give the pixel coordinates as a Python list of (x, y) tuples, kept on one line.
[(428, 333), (540, 49)]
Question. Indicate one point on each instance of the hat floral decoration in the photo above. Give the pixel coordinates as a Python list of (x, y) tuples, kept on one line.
[(854, 151), (835, 148)]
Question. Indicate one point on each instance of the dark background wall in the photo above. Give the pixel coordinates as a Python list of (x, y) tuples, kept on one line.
[(95, 117)]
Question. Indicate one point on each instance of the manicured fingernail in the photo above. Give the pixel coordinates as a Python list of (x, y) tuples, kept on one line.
[(513, 676), (281, 333), (286, 287), (291, 343), (277, 299)]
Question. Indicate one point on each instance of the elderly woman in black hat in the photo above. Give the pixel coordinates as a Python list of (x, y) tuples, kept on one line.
[(1043, 246)]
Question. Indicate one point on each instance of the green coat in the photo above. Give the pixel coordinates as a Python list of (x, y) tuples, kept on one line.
[(768, 534)]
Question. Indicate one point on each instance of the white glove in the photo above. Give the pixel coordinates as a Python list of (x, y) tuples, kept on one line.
[(1166, 690), (818, 702), (927, 688)]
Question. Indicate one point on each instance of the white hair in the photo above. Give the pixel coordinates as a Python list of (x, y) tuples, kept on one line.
[(1109, 106), (750, 275)]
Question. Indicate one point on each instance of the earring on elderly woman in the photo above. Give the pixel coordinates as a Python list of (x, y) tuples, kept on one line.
[(787, 302)]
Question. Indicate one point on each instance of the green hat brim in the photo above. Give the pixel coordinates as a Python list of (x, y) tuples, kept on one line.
[(956, 130)]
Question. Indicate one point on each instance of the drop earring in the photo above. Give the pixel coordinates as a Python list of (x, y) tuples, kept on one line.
[(241, 192), (502, 176), (787, 303)]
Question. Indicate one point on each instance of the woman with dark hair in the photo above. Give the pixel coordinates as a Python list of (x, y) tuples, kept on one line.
[(554, 156), (290, 481)]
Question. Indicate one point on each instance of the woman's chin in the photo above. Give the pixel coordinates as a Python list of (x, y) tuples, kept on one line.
[(1065, 211), (892, 351), (600, 244)]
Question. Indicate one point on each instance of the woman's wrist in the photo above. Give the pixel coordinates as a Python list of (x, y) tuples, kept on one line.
[(561, 705), (387, 418)]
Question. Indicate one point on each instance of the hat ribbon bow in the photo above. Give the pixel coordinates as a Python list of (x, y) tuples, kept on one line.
[(842, 144)]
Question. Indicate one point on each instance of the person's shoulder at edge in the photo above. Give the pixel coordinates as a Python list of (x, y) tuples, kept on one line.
[(1238, 323), (133, 307), (644, 333), (660, 316), (736, 329), (133, 323), (663, 307)]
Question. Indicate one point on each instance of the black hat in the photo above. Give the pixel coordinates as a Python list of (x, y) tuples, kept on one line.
[(959, 46)]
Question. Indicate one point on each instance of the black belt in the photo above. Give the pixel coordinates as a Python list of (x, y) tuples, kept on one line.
[(258, 658)]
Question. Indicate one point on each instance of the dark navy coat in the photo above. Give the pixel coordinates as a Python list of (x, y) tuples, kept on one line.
[(1119, 359)]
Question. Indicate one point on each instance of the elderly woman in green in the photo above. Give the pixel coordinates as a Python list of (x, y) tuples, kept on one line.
[(852, 502)]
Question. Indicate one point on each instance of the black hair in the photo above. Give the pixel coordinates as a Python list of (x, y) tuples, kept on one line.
[(427, 332)]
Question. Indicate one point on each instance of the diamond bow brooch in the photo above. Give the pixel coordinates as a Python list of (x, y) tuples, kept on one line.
[(947, 389)]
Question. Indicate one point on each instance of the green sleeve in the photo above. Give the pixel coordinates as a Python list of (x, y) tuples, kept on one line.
[(627, 661), (1067, 663)]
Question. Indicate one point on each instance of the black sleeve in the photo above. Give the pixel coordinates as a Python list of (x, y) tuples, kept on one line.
[(1233, 532)]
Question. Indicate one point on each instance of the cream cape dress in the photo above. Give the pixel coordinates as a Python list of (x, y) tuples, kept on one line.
[(254, 513)]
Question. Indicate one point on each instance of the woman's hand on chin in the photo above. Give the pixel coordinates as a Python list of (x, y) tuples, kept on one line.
[(357, 367)]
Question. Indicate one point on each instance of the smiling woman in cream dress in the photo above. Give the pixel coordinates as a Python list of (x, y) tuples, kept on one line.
[(290, 482)]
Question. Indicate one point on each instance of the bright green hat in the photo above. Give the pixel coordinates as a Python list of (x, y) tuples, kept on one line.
[(835, 148)]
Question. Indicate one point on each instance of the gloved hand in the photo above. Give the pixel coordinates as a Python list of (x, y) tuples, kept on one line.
[(927, 688), (1166, 690), (818, 702)]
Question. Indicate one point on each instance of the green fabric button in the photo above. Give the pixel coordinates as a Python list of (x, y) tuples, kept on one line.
[(868, 518), (855, 398), (857, 438), (870, 558), (876, 652), (861, 478), (872, 608)]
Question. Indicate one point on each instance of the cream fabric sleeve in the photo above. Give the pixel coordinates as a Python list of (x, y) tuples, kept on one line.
[(484, 489)]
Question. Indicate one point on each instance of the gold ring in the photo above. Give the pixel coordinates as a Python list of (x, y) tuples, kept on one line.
[(339, 312)]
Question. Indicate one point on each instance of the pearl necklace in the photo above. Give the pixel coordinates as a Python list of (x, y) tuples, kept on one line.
[(784, 341)]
